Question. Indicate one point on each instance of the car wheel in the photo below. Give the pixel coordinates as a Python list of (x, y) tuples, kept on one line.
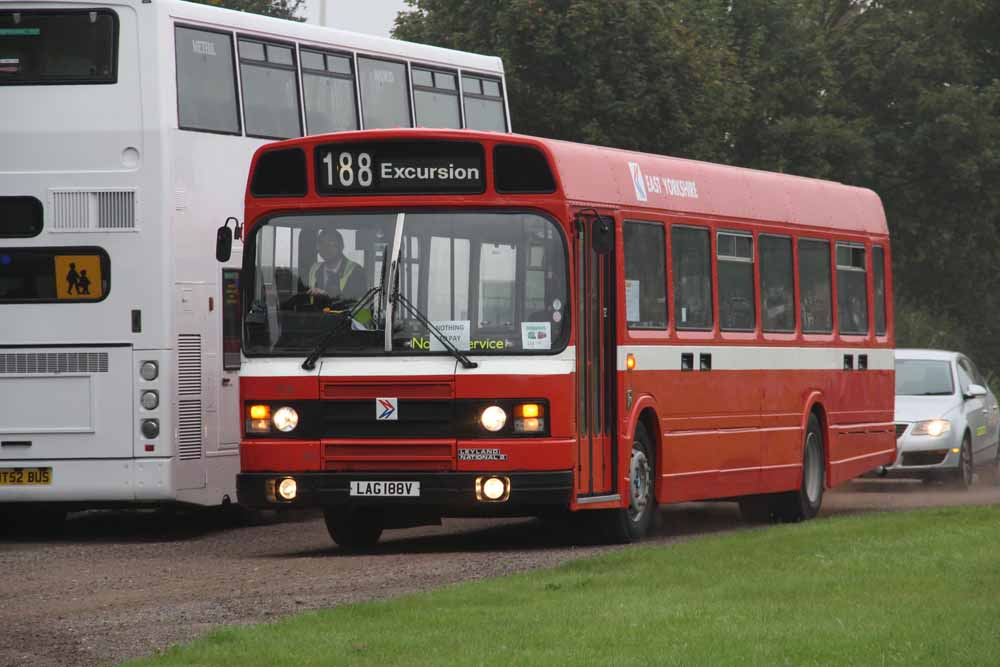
[(965, 475), (354, 530), (632, 523), (805, 503)]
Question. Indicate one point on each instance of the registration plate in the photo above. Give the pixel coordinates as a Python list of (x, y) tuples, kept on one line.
[(25, 476), (386, 489)]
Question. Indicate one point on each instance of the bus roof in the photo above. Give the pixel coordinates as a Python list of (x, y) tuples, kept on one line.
[(609, 177)]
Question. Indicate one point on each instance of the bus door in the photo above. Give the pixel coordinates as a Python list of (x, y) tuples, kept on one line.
[(595, 355)]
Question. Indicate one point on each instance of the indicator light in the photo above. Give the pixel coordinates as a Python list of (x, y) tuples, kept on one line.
[(260, 412), (630, 361)]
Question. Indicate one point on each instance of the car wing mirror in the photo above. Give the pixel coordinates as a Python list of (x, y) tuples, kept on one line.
[(975, 391)]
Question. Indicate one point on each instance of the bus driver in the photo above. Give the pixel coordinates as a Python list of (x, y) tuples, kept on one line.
[(335, 277)]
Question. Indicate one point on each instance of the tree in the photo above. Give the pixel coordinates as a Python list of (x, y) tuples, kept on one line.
[(282, 9)]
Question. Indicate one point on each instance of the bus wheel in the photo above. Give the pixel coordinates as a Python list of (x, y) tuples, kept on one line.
[(632, 523), (354, 530), (755, 509), (805, 502)]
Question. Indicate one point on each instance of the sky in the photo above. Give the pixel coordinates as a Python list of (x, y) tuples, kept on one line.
[(374, 17)]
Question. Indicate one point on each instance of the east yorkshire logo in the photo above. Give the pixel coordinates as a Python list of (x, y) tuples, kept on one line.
[(640, 186), (386, 409)]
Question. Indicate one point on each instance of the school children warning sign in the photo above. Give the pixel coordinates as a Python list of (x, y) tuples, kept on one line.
[(78, 277)]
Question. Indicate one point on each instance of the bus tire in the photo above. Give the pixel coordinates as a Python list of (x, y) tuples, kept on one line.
[(631, 523), (354, 530), (755, 509), (805, 503)]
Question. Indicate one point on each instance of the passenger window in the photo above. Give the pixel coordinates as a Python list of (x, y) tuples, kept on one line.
[(58, 46), (206, 81), (852, 289), (483, 104), (20, 217), (736, 303), (384, 99), (645, 275), (692, 273), (270, 91), (777, 284), (328, 88), (878, 274), (435, 98), (815, 290)]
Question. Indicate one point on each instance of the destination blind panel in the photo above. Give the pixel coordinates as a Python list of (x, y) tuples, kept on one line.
[(400, 168)]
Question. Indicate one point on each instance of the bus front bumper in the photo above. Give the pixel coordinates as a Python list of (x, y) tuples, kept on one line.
[(445, 492)]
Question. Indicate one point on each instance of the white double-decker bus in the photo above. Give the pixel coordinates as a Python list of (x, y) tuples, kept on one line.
[(126, 131)]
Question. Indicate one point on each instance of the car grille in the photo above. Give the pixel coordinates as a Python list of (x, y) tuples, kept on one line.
[(931, 458), (900, 430)]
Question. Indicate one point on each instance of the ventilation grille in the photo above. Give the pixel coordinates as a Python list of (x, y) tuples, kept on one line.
[(93, 209), (27, 363), (189, 427), (189, 430)]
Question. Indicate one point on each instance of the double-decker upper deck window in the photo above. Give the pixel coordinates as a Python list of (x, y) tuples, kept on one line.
[(692, 269), (270, 91), (645, 275), (777, 284), (483, 104), (815, 291), (878, 274), (328, 88), (385, 101), (852, 289), (62, 47), (206, 81), (435, 98), (736, 302), (20, 217)]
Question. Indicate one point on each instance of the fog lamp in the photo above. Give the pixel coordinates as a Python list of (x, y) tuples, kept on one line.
[(493, 418), (288, 489), (492, 489)]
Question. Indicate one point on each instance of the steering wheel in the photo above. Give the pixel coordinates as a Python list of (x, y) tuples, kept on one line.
[(304, 301)]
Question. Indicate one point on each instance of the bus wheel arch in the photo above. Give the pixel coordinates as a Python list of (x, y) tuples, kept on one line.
[(644, 413), (815, 408)]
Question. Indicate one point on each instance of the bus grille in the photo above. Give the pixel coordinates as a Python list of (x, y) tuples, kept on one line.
[(29, 363), (93, 209), (425, 455), (189, 418)]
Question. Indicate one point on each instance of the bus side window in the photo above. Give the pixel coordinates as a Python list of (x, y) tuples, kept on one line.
[(852, 289), (815, 291), (270, 91), (435, 99), (206, 81), (483, 104), (878, 273), (734, 252), (692, 270), (328, 89), (777, 284), (645, 275), (385, 101)]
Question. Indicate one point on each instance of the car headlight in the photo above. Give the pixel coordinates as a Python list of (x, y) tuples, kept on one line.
[(931, 427), (493, 418), (285, 419)]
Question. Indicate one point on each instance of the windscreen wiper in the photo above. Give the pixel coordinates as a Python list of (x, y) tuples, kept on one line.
[(338, 328), (455, 352)]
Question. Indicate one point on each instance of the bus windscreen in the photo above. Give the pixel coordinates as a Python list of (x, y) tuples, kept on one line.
[(61, 47)]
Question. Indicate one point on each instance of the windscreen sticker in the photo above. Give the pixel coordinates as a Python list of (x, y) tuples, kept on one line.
[(10, 65), (20, 32), (456, 331), (632, 300), (78, 277), (536, 335)]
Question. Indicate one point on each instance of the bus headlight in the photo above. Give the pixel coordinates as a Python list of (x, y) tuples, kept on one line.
[(150, 400), (493, 418), (150, 428), (149, 371), (285, 419)]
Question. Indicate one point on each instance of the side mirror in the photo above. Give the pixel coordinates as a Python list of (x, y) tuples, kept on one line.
[(223, 243), (974, 391), (601, 238)]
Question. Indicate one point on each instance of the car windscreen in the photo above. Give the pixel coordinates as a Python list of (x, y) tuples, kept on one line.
[(923, 377), (58, 47)]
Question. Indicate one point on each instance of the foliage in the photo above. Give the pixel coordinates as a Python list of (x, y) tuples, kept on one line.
[(282, 9), (901, 96)]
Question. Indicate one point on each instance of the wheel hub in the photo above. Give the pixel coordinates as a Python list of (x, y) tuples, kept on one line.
[(639, 487)]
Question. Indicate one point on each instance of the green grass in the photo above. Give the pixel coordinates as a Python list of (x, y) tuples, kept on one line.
[(893, 589)]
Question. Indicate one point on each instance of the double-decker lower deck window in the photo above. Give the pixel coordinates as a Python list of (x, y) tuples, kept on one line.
[(385, 101), (435, 98), (328, 89), (483, 104), (692, 268), (270, 91), (736, 302), (63, 47), (815, 291), (206, 81), (777, 284), (65, 275), (852, 289), (645, 275)]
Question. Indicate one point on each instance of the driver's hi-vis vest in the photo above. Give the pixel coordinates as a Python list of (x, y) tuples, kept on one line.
[(348, 269)]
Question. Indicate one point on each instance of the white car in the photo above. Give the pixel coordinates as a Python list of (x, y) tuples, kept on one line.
[(947, 420)]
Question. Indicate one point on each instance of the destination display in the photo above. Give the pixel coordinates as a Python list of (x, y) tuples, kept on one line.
[(411, 167)]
